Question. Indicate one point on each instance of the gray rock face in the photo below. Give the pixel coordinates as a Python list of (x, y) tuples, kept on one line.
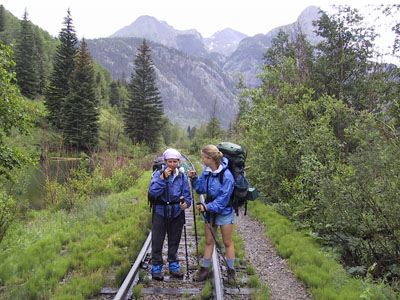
[(189, 86), (195, 74)]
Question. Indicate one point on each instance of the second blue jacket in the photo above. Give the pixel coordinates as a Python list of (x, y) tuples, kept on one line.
[(220, 192)]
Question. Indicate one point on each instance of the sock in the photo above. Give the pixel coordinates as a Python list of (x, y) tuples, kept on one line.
[(206, 262), (231, 262)]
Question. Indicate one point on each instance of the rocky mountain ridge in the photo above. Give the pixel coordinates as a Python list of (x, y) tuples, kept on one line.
[(196, 76)]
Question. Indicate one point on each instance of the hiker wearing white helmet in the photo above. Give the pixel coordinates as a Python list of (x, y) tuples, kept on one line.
[(171, 188)]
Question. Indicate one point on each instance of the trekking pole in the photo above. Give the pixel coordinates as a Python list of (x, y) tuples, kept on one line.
[(195, 226), (194, 212), (184, 231), (166, 211), (219, 250)]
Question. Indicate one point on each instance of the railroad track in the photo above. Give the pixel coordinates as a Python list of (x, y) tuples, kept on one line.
[(186, 288)]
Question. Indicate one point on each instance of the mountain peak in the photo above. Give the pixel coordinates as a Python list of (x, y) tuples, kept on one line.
[(229, 32), (224, 41), (149, 28)]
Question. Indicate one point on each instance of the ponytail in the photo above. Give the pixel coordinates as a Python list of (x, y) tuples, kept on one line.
[(212, 152)]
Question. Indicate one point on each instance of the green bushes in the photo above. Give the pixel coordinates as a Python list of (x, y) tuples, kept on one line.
[(326, 278), (7, 209), (90, 178), (330, 168)]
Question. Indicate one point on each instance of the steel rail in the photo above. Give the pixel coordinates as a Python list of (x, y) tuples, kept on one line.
[(194, 210), (218, 287), (123, 290)]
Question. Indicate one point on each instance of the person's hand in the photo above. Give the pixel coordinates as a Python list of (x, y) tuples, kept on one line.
[(165, 173), (201, 207), (183, 203), (191, 173)]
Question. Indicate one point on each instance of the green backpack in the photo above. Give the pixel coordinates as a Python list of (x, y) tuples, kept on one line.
[(236, 164)]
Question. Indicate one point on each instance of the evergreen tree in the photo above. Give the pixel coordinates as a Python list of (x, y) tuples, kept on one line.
[(40, 62), (144, 110), (81, 108), (2, 18), (298, 48), (214, 128), (343, 60), (25, 59), (114, 95), (63, 67)]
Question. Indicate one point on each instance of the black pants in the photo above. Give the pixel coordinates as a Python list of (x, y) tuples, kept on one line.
[(160, 227)]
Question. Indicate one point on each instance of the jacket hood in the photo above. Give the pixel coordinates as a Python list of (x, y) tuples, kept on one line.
[(224, 163)]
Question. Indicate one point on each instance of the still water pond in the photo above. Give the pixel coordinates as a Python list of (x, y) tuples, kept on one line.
[(36, 179)]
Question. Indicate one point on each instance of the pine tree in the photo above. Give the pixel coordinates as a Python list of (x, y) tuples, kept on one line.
[(2, 18), (114, 95), (81, 109), (214, 128), (63, 67), (25, 60), (40, 62), (144, 110)]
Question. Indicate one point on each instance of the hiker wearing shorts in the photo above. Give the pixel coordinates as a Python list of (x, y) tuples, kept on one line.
[(172, 190), (217, 207)]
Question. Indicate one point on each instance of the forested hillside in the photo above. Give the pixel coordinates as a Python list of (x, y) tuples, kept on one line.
[(193, 89)]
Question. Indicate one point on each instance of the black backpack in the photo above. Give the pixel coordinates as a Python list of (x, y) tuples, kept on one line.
[(158, 164), (236, 164)]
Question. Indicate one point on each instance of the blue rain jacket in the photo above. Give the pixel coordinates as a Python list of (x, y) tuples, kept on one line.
[(220, 192), (177, 185)]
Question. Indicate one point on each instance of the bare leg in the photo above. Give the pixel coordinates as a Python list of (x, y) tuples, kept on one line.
[(227, 233)]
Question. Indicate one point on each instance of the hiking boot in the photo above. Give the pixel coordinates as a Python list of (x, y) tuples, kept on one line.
[(176, 274), (231, 276), (175, 269), (157, 276), (202, 274)]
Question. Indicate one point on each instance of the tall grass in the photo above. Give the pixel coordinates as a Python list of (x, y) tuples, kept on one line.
[(63, 255), (325, 277)]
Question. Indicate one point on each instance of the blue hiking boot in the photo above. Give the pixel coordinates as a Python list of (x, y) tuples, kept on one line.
[(156, 272), (175, 270)]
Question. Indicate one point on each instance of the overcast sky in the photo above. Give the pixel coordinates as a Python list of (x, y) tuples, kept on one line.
[(101, 18)]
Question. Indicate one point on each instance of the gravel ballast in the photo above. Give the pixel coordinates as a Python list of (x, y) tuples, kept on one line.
[(271, 269)]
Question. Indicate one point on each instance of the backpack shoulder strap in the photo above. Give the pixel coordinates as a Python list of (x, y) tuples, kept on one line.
[(221, 176), (183, 180)]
